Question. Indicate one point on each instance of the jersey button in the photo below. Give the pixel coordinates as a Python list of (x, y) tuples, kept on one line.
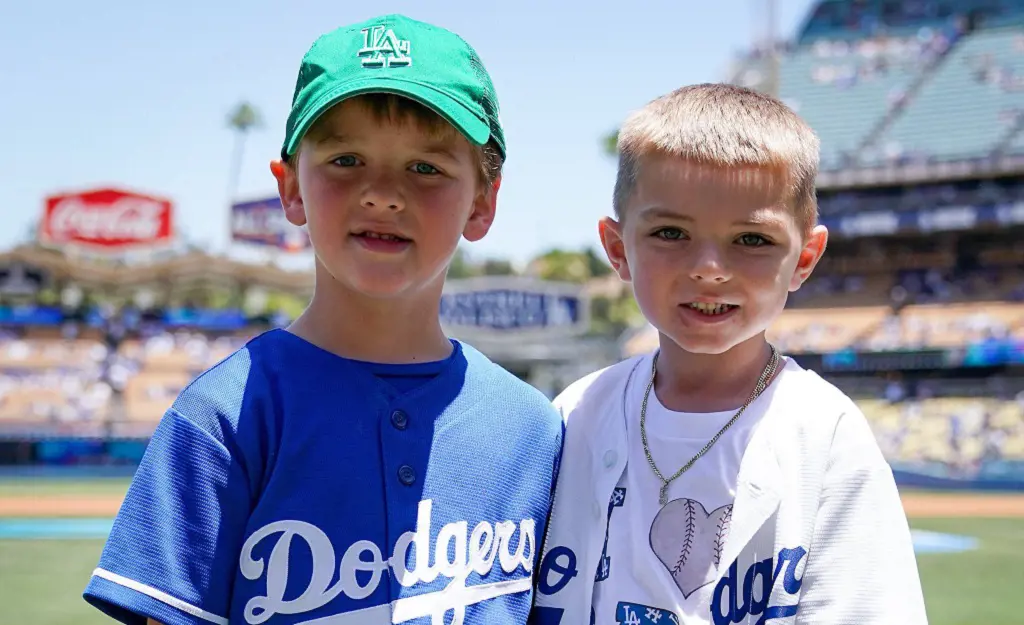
[(406, 475), (610, 458), (399, 419)]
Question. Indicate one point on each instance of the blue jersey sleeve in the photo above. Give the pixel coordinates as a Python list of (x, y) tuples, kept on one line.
[(173, 550)]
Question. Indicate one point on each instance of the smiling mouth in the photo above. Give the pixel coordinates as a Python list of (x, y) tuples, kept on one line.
[(382, 236), (711, 309)]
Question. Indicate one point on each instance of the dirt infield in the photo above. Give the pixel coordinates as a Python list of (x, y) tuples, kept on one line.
[(965, 505), (60, 506), (918, 505)]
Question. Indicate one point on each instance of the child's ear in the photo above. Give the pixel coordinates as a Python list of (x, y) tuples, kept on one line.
[(485, 206), (611, 239), (813, 249), (288, 189)]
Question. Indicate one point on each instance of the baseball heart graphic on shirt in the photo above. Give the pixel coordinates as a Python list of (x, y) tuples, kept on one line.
[(689, 541)]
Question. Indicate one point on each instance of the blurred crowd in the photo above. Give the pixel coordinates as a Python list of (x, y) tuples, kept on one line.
[(922, 197), (70, 379), (848, 63), (961, 426)]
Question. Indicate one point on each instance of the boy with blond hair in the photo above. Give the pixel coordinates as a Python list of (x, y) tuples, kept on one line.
[(716, 481), (358, 467)]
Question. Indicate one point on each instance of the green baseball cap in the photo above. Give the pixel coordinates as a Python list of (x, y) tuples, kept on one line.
[(403, 56)]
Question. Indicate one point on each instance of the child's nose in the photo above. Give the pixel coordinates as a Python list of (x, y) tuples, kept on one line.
[(709, 265), (381, 192)]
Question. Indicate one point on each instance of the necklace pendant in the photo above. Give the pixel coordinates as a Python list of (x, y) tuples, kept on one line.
[(663, 495)]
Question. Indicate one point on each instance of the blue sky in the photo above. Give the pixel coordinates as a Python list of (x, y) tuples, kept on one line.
[(136, 94)]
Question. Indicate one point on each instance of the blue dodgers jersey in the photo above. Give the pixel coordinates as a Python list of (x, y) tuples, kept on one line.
[(289, 485)]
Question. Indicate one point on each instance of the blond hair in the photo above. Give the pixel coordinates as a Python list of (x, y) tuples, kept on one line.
[(726, 126), (394, 109)]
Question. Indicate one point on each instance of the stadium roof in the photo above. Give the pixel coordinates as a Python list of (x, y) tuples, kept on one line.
[(190, 266)]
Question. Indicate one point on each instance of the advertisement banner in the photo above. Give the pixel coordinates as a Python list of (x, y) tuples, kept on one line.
[(514, 308), (262, 222), (942, 218), (108, 220)]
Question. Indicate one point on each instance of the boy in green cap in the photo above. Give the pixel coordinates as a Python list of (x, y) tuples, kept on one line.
[(359, 467)]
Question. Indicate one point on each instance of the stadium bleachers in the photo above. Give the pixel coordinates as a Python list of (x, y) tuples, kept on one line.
[(70, 385), (843, 88), (966, 106), (928, 85), (954, 431), (878, 328), (947, 325)]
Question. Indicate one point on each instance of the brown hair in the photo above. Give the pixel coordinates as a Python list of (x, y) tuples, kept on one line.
[(722, 125), (391, 108)]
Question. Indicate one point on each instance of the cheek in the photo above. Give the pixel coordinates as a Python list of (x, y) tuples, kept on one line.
[(654, 270), (325, 191), (444, 204), (767, 280)]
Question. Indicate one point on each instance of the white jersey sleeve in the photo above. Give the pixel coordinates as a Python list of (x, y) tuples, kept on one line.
[(861, 567)]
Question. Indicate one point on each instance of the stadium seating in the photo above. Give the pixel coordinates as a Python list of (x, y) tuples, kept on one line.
[(843, 89), (966, 106), (953, 431), (50, 353), (149, 394), (52, 382), (808, 330), (876, 328), (163, 364), (947, 325)]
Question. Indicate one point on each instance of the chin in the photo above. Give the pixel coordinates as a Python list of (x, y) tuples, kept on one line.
[(372, 282), (708, 343), (704, 346)]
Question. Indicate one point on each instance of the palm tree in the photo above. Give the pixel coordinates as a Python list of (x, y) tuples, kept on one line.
[(242, 120)]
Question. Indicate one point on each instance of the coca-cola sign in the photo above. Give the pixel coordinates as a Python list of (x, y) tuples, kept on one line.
[(108, 219)]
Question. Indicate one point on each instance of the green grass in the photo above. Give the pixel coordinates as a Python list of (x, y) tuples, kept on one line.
[(24, 487), (41, 581), (980, 587)]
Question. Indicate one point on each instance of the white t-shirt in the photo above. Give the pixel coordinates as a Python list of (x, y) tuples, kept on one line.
[(682, 540)]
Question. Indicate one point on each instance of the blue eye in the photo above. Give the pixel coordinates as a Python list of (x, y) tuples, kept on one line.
[(753, 240), (425, 168), (346, 160), (669, 234)]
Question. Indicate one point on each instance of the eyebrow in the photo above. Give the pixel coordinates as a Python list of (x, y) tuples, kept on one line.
[(761, 221), (441, 149), (662, 213), (330, 138), (433, 147)]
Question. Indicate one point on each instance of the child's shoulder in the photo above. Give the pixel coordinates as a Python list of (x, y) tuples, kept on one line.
[(595, 388), (215, 397), (806, 407), (814, 394), (488, 381)]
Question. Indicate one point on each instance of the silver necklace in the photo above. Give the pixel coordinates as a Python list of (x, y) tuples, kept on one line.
[(762, 383)]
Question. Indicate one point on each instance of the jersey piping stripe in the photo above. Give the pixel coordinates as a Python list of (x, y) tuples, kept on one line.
[(455, 596), (427, 604), (161, 596)]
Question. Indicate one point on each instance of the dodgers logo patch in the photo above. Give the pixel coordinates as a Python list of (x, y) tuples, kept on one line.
[(455, 554), (636, 614), (735, 599)]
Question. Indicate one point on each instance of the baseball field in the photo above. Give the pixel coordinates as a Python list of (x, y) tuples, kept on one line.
[(970, 550)]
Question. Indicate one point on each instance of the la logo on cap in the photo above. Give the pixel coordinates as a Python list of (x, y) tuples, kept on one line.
[(382, 48)]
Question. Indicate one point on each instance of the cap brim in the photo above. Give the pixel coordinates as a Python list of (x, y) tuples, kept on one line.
[(474, 128)]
